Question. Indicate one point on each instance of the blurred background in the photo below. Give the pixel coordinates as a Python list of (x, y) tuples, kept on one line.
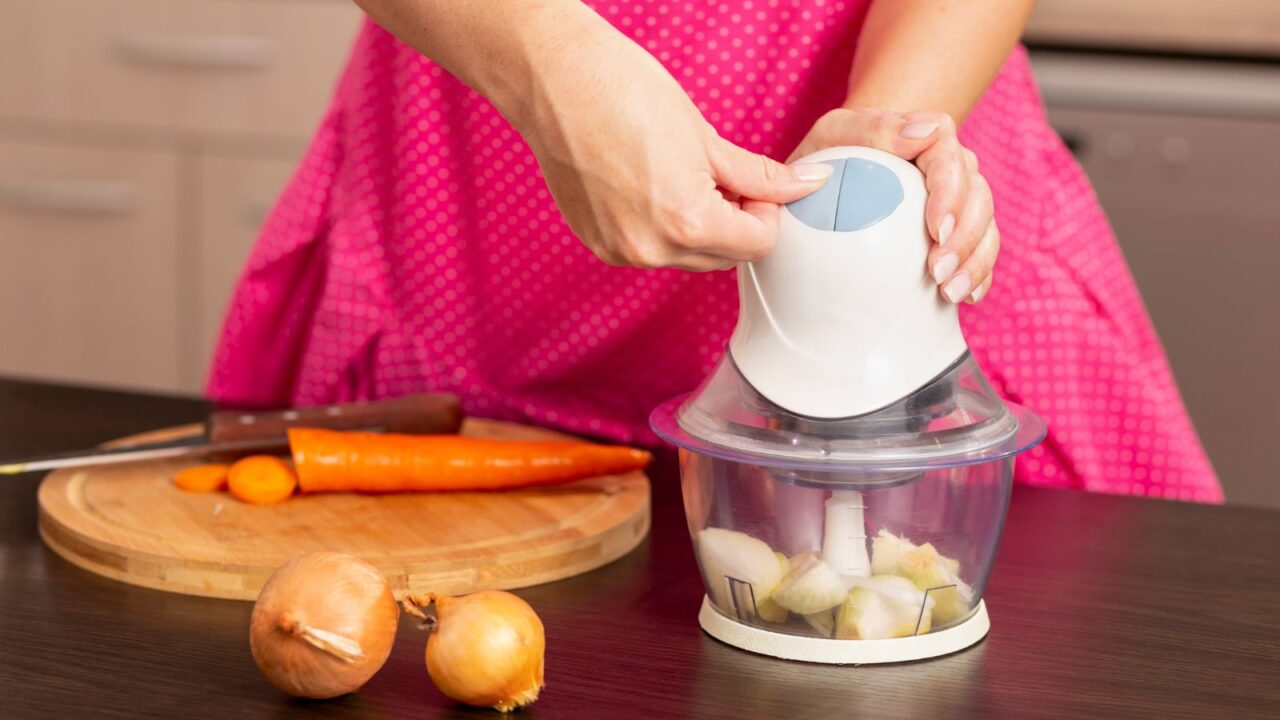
[(143, 141)]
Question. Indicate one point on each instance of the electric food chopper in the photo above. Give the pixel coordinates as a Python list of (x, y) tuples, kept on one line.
[(846, 467)]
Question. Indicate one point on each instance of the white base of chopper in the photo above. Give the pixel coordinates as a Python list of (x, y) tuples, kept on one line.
[(844, 652)]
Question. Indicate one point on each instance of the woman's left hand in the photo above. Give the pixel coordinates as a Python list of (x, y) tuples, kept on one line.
[(959, 212)]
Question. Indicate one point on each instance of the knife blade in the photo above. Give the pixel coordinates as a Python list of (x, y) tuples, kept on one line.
[(230, 432)]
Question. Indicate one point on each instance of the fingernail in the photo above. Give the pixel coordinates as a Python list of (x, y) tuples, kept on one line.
[(945, 227), (958, 287), (945, 266), (977, 294), (813, 172), (917, 130)]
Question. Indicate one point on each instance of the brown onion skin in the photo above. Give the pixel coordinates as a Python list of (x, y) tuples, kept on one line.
[(330, 591), (487, 650)]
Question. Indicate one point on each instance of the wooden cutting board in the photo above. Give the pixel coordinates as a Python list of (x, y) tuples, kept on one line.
[(129, 522)]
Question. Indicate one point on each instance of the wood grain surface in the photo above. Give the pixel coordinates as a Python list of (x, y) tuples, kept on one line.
[(1101, 607), (128, 522)]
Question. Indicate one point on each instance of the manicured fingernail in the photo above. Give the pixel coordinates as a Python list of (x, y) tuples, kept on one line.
[(958, 287), (945, 227), (917, 130), (977, 294), (813, 172), (945, 266)]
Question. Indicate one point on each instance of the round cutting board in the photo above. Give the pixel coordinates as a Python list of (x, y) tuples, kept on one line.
[(130, 523)]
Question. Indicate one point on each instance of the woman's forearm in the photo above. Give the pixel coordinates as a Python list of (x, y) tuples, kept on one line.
[(500, 49), (935, 55)]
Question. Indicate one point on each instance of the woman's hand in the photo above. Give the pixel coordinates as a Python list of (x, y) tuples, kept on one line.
[(637, 172), (959, 210)]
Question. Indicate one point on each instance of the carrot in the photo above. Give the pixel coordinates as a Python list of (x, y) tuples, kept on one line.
[(202, 478), (332, 461), (261, 480)]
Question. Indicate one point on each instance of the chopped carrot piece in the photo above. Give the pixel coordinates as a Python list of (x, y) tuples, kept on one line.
[(202, 478), (261, 480)]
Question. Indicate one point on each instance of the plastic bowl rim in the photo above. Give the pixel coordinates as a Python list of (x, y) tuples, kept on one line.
[(1029, 432)]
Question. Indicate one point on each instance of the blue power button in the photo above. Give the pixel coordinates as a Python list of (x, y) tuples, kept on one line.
[(859, 194)]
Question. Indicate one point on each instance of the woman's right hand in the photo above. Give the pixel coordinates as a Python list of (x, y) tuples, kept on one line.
[(637, 172)]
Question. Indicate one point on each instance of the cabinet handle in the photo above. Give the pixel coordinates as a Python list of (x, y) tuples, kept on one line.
[(70, 196), (196, 52)]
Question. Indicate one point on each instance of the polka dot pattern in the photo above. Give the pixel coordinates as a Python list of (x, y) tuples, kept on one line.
[(417, 248)]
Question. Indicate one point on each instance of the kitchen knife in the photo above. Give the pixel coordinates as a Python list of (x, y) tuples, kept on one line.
[(230, 432)]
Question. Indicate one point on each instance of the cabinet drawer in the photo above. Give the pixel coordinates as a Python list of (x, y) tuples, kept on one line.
[(235, 196), (265, 68), (1244, 27), (88, 265)]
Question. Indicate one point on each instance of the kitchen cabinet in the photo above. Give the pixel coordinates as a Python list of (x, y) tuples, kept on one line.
[(243, 66), (88, 280), (141, 144), (1227, 27)]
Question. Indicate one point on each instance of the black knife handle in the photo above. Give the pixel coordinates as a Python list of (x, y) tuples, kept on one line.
[(422, 414)]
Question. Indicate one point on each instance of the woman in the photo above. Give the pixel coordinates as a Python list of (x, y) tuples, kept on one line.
[(430, 239)]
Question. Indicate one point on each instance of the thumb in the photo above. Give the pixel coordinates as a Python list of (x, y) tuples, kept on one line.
[(905, 135), (757, 177)]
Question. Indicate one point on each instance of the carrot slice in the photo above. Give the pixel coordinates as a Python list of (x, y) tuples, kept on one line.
[(334, 461), (261, 480), (202, 478)]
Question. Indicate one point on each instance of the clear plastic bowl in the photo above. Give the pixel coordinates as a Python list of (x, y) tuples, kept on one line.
[(932, 534), (872, 528)]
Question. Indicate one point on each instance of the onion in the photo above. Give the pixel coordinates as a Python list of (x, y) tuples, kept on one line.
[(727, 555), (485, 649), (810, 586), (323, 625)]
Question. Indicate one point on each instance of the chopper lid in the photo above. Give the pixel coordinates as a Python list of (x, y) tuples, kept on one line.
[(955, 419), (842, 318)]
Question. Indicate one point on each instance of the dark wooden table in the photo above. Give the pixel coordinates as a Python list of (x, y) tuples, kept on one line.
[(1100, 607)]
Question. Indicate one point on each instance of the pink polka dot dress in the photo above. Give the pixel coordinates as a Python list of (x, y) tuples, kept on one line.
[(418, 248)]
